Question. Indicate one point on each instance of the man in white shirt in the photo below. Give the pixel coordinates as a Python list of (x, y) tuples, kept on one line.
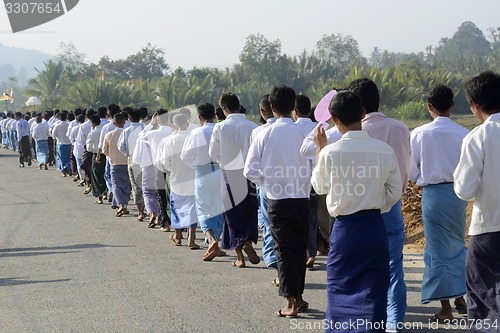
[(72, 124), (182, 201), (207, 181), (396, 135), (81, 139), (3, 129), (435, 152), (153, 137), (361, 178), (23, 134), (99, 187), (302, 118), (274, 161), (110, 126), (229, 147), (476, 178), (40, 134), (126, 144), (63, 144), (268, 254)]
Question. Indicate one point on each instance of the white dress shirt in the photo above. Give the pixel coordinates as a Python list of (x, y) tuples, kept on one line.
[(41, 131), (357, 173), (22, 128), (154, 137), (308, 148), (257, 130), (93, 139), (181, 175), (306, 125), (396, 134), (106, 128), (128, 139), (476, 176), (83, 132), (195, 150), (72, 124), (274, 161), (435, 151), (59, 133), (77, 148), (230, 141)]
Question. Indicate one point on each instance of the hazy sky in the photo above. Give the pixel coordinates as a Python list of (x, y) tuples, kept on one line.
[(212, 33)]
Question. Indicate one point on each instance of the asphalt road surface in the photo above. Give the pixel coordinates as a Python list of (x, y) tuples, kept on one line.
[(68, 265)]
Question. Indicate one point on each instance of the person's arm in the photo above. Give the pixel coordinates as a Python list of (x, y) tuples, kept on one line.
[(122, 144), (416, 148), (393, 185), (469, 171), (253, 163), (105, 147), (214, 150)]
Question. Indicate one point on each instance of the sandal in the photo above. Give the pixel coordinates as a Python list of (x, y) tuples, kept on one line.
[(303, 307), (177, 242), (252, 255), (281, 315), (194, 247), (234, 264), (276, 282)]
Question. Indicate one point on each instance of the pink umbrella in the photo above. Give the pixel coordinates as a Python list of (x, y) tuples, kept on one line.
[(321, 112)]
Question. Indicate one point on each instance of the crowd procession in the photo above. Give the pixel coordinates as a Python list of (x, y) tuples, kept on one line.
[(330, 188)]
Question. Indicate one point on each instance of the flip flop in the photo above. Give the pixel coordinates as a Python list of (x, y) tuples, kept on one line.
[(210, 256), (194, 247), (461, 309), (281, 315), (276, 282), (237, 266), (252, 255), (303, 307), (176, 242), (221, 254)]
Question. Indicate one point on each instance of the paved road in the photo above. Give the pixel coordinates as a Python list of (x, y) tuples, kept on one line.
[(69, 265)]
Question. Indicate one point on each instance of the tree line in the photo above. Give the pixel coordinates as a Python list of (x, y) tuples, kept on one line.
[(146, 79)]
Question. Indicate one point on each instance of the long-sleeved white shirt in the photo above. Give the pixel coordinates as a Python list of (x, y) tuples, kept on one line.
[(257, 130), (357, 173), (22, 128), (83, 131), (476, 175), (274, 161), (169, 160), (40, 131), (435, 151), (230, 141), (106, 128), (153, 139), (195, 150), (93, 139), (128, 139), (396, 134), (59, 133), (308, 148)]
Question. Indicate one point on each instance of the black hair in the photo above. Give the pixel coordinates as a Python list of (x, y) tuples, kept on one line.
[(46, 116), (133, 114), (102, 111), (282, 100), (143, 113), (441, 98), (95, 119), (18, 114), (80, 118), (367, 90), (89, 113), (206, 111), (266, 106), (78, 111), (71, 116), (347, 107), (27, 117), (63, 116), (119, 119), (484, 90), (303, 105), (231, 102), (242, 109), (219, 113)]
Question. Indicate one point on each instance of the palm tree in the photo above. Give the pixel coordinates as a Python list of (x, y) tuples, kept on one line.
[(48, 85)]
